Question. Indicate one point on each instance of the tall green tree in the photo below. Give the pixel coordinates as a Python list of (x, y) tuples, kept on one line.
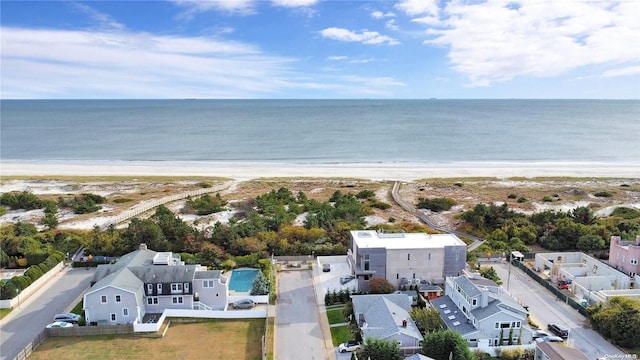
[(376, 349), (427, 319), (445, 345)]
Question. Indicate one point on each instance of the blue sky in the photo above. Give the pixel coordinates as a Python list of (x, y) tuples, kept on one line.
[(320, 49)]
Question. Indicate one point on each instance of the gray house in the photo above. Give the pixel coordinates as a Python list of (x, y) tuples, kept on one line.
[(147, 282), (479, 309), (386, 317), (405, 258)]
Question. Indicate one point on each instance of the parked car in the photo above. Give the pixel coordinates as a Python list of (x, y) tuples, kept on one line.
[(244, 304), (326, 267), (59, 324), (350, 345), (67, 317), (558, 330), (563, 284), (550, 339), (539, 333)]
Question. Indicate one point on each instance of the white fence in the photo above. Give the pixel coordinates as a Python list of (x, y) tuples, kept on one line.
[(201, 314), (24, 294)]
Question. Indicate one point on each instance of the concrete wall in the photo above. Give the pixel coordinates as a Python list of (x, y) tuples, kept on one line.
[(422, 264), (31, 289)]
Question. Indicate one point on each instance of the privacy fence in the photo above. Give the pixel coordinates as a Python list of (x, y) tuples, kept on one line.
[(551, 287)]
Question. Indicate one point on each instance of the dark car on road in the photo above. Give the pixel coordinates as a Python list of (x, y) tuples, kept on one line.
[(558, 330), (326, 267)]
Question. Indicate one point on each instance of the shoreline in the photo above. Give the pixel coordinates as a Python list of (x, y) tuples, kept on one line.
[(372, 171)]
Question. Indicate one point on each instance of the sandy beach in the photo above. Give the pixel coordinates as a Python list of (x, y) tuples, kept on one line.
[(377, 172)]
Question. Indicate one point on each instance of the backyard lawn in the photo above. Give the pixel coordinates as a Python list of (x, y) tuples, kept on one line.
[(335, 314), (215, 339)]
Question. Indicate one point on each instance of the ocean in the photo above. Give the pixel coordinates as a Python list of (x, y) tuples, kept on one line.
[(321, 131)]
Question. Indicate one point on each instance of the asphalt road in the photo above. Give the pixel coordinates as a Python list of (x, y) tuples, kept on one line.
[(298, 332), (545, 308), (23, 324)]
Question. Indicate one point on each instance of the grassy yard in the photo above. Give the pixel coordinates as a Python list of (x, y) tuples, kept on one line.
[(335, 315), (4, 312), (340, 334), (215, 339)]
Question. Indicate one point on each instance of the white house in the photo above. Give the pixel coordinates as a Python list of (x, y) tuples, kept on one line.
[(479, 309), (146, 282), (386, 317)]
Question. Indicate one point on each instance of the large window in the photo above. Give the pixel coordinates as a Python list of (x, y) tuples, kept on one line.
[(207, 283), (176, 299), (152, 300), (103, 299), (118, 298), (176, 287), (366, 261)]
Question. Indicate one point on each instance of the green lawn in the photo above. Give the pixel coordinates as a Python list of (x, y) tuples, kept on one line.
[(340, 334), (4, 312), (335, 316)]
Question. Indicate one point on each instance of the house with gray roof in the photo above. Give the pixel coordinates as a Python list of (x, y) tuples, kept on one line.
[(479, 309), (405, 258), (148, 282), (386, 317)]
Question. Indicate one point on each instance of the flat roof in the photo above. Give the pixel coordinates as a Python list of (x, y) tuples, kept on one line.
[(374, 239)]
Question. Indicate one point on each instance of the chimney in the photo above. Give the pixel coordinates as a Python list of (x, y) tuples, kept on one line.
[(142, 246), (484, 297), (404, 323)]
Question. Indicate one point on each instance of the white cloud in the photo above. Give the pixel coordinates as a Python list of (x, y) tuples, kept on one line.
[(103, 20), (496, 41), (418, 7), (235, 7), (100, 64), (381, 15), (631, 70), (391, 25), (337, 57), (365, 37), (77, 64), (294, 3)]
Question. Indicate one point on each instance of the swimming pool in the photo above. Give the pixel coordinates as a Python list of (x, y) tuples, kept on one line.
[(242, 279)]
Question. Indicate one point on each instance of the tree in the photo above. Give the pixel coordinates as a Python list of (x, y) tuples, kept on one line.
[(380, 286), (436, 204), (443, 345), (260, 285), (376, 349), (427, 319), (491, 274), (618, 319), (590, 242)]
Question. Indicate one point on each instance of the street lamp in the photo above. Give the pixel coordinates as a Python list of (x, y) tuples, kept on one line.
[(18, 296)]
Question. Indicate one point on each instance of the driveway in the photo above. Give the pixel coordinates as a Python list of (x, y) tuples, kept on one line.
[(23, 324), (544, 308), (298, 332)]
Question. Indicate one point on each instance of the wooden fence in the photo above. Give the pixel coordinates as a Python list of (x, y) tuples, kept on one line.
[(39, 339), (91, 330)]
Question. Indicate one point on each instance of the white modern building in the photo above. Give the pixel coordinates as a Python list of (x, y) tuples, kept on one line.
[(405, 258)]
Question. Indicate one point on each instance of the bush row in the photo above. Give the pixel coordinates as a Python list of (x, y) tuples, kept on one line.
[(18, 283)]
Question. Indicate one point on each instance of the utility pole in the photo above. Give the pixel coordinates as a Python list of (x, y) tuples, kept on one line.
[(509, 272)]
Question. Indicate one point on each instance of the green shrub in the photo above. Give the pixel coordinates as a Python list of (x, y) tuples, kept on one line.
[(436, 204), (380, 205), (603, 194), (512, 196), (365, 194), (122, 200), (522, 199), (547, 199)]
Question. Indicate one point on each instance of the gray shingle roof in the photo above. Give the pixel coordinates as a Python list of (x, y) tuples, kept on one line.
[(467, 286), (209, 274), (164, 273), (444, 304), (384, 315), (124, 279)]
